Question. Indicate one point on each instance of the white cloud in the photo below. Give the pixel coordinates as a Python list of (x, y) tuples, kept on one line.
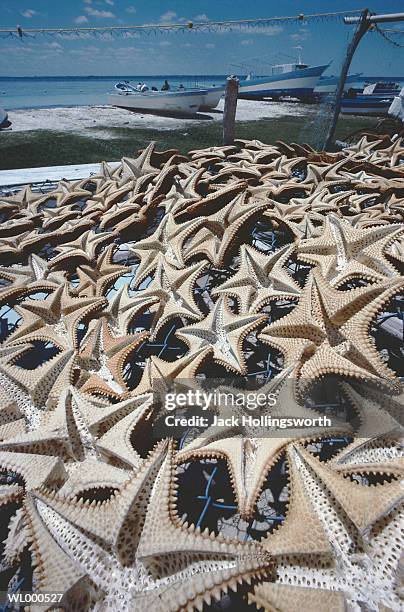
[(131, 9), (202, 17), (99, 14), (168, 17), (53, 45), (247, 41), (210, 45), (29, 13), (303, 35), (110, 2), (81, 19), (88, 1)]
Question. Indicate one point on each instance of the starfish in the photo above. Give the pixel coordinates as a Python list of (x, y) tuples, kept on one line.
[(94, 281), (251, 449), (82, 249), (53, 218), (328, 331), (221, 230), (260, 279), (168, 240), (24, 198), (54, 319), (103, 356), (27, 392), (363, 571), (116, 443), (13, 227), (324, 175), (67, 192), (183, 191), (121, 211), (222, 332), (159, 375), (35, 276), (63, 433), (134, 168), (376, 424), (214, 202), (172, 291), (116, 523), (160, 185), (343, 252)]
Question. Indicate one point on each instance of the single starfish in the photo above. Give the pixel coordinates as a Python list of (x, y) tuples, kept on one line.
[(94, 281), (343, 252), (222, 332), (54, 319), (260, 279), (102, 356), (35, 276), (83, 248)]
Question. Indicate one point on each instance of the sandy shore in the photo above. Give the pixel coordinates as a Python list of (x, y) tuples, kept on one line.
[(84, 118)]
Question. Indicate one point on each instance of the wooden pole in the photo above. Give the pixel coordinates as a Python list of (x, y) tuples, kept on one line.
[(229, 113), (363, 26)]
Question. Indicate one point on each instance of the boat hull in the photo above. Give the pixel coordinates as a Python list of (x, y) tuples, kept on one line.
[(297, 83), (212, 97), (328, 85), (362, 105), (187, 102)]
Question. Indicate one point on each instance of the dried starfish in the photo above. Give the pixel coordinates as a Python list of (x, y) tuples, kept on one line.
[(222, 332), (260, 279)]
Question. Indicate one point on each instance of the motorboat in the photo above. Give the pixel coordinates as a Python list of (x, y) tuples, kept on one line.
[(375, 99), (181, 100), (295, 80)]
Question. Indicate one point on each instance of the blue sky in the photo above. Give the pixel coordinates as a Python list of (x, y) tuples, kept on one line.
[(184, 53)]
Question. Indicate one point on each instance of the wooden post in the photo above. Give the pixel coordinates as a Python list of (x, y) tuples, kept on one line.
[(229, 113), (363, 26)]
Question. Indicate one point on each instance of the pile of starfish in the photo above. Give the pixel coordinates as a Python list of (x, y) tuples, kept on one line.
[(96, 269)]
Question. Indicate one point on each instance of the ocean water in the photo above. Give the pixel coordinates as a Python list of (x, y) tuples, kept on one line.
[(45, 92)]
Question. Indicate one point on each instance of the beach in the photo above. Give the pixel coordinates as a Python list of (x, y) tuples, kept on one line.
[(86, 118)]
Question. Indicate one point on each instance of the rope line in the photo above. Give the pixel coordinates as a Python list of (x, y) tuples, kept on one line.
[(20, 32), (387, 38)]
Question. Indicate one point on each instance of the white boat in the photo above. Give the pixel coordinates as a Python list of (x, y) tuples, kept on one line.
[(212, 97), (295, 80), (179, 101)]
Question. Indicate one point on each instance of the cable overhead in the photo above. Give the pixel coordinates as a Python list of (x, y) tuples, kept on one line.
[(204, 26)]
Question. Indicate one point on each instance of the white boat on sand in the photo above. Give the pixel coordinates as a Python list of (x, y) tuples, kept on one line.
[(186, 101), (212, 97)]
